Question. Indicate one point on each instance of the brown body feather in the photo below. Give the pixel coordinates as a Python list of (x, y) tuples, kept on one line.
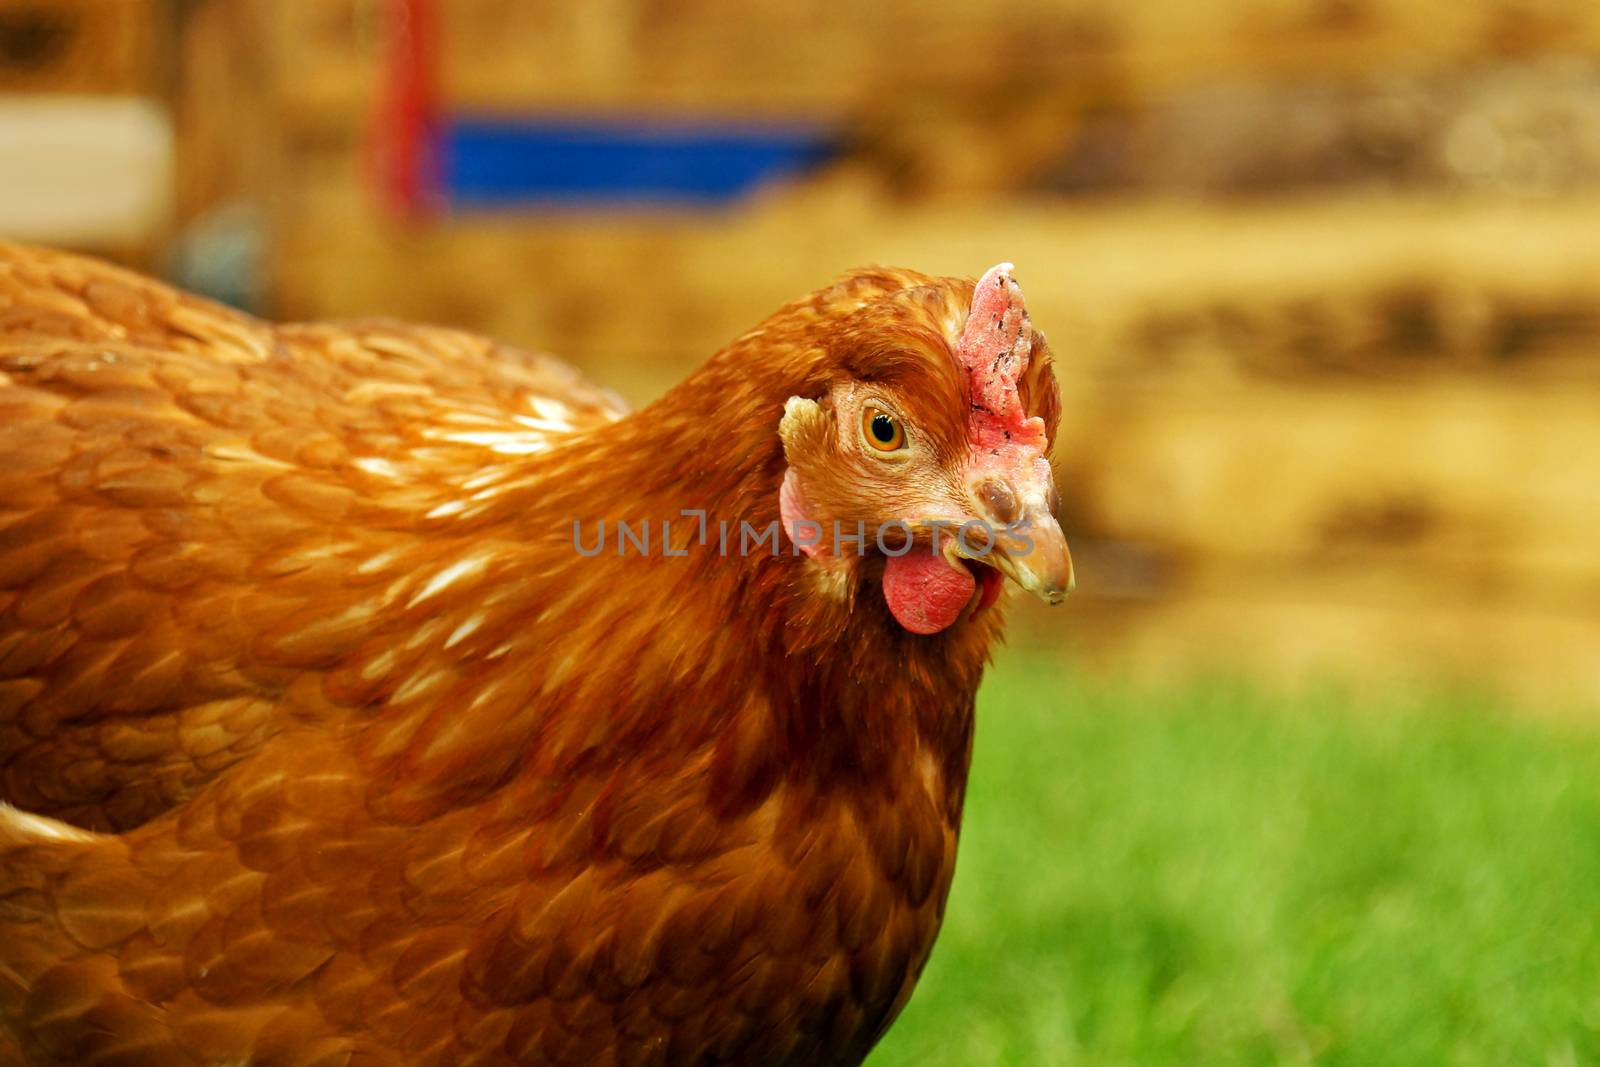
[(379, 768)]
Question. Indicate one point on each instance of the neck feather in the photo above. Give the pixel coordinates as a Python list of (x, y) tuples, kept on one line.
[(720, 647)]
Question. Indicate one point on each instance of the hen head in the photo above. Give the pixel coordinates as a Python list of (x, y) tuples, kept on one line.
[(916, 459)]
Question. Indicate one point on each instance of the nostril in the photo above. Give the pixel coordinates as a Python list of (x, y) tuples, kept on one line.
[(998, 499)]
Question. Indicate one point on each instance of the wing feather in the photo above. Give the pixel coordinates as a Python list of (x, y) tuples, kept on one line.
[(197, 507)]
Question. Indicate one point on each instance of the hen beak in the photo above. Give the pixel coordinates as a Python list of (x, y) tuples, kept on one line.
[(1042, 564), (1027, 544)]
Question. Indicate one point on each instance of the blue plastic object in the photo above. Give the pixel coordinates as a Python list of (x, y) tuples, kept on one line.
[(500, 163)]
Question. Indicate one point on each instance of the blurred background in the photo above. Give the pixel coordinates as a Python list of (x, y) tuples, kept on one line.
[(1322, 279)]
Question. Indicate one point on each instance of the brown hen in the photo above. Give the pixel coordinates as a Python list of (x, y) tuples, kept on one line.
[(375, 694)]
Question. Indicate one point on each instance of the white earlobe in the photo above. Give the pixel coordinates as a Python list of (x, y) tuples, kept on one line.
[(804, 425)]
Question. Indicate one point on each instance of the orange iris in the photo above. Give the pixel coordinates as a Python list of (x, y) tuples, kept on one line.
[(882, 429)]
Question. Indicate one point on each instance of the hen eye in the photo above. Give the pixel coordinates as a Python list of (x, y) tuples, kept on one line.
[(882, 430)]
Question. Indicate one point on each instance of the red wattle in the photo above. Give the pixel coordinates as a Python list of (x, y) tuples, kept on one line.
[(925, 594)]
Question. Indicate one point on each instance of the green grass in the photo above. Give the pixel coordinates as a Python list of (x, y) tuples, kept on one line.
[(1211, 876)]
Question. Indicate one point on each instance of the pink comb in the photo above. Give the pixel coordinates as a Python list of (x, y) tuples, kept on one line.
[(994, 349)]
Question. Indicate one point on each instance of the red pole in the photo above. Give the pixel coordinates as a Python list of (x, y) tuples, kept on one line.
[(404, 148)]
